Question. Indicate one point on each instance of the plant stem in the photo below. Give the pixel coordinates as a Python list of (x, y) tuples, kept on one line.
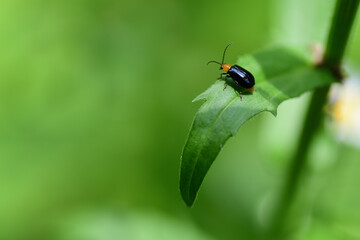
[(341, 25), (344, 15), (313, 120)]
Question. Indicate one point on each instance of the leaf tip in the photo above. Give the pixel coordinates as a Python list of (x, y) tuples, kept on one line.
[(186, 198), (273, 111), (198, 98), (189, 203)]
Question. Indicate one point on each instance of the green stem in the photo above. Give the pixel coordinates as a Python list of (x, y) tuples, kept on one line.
[(343, 19), (342, 22), (313, 120)]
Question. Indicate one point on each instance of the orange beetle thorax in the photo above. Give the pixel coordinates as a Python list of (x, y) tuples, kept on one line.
[(226, 67)]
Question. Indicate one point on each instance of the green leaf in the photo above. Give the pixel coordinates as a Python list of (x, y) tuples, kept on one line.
[(280, 73)]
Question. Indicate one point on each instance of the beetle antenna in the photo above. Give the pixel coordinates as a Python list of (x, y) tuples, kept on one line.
[(224, 53), (213, 62)]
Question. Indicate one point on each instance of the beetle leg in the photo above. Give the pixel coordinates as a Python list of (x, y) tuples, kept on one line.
[(226, 83), (221, 75), (237, 84), (240, 95), (226, 75)]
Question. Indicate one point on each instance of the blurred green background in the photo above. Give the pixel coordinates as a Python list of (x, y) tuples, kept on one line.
[(95, 104)]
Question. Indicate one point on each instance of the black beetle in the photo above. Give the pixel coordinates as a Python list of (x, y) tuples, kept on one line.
[(240, 75)]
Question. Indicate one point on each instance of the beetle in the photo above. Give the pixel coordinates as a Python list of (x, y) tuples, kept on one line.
[(241, 76)]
